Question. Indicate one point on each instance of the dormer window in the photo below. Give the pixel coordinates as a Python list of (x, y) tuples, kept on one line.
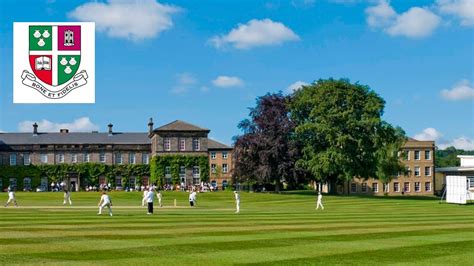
[(196, 144), (167, 144), (182, 144)]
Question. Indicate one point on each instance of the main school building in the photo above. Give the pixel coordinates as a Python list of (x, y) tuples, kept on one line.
[(177, 139)]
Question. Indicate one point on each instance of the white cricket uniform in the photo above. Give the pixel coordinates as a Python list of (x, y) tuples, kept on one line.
[(67, 197), (159, 196), (192, 198), (237, 202), (106, 202), (11, 198), (320, 202), (150, 195)]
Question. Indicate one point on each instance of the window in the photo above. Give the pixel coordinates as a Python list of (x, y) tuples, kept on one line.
[(427, 155), (353, 187), (427, 171), (224, 168), (396, 187), (145, 158), (417, 155), (182, 144), (26, 184), (182, 171), (132, 182), (87, 157), (213, 155), (101, 180), (224, 184), (364, 187), (224, 155), (102, 157), (196, 171), (375, 187), (61, 158), (74, 158), (407, 155), (408, 170), (196, 144), (26, 159), (12, 183), (213, 168), (386, 187), (12, 159), (417, 171), (406, 187), (131, 158), (417, 187), (167, 171), (44, 158), (118, 181), (167, 144), (470, 179), (118, 158), (427, 186)]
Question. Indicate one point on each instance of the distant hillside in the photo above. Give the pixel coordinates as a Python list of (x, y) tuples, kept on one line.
[(448, 157)]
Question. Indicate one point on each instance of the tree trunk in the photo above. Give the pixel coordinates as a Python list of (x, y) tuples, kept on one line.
[(332, 186), (277, 185)]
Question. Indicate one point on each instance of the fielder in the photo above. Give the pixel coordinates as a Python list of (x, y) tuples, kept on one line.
[(320, 201), (237, 202), (67, 197), (105, 201), (11, 197), (145, 192), (160, 197), (192, 198)]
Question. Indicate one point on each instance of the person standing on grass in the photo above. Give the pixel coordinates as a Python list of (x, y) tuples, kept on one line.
[(160, 197), (320, 201), (150, 196), (192, 198), (237, 201), (11, 197), (145, 192), (67, 197), (105, 201)]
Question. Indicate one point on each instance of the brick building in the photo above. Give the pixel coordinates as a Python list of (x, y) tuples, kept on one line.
[(112, 148)]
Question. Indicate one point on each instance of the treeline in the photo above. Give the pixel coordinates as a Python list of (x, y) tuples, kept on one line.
[(329, 131), (448, 157)]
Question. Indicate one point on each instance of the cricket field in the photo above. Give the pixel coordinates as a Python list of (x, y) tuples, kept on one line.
[(277, 229)]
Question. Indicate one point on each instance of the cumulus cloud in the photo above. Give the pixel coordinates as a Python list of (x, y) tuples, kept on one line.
[(462, 9), (255, 33), (135, 20), (83, 124), (227, 82), (184, 82), (432, 134), (296, 86), (463, 90), (416, 22)]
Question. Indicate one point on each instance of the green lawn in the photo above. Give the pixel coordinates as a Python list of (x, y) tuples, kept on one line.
[(271, 229)]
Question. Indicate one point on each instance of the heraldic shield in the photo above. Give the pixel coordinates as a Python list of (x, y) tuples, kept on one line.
[(54, 52)]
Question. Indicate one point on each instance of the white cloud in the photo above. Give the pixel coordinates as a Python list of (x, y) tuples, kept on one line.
[(461, 91), (296, 86), (184, 82), (256, 33), (417, 22), (135, 20), (463, 9), (428, 134), (432, 134), (83, 124), (227, 82), (380, 15)]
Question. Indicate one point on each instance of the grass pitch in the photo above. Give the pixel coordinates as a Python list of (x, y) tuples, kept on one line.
[(271, 229)]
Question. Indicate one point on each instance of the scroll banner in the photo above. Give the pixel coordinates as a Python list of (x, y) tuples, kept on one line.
[(79, 80)]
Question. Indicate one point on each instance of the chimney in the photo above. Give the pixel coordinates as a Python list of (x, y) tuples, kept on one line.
[(150, 126), (64, 130), (35, 129), (110, 129)]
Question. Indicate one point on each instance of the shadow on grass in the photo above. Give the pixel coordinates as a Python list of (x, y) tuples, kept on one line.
[(313, 193)]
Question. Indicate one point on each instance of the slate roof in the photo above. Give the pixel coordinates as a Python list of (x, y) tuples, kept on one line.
[(215, 145), (179, 125), (73, 138)]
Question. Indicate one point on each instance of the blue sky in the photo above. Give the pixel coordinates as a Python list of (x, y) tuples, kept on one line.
[(205, 62)]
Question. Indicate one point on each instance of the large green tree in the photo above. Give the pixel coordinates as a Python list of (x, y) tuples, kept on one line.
[(340, 127)]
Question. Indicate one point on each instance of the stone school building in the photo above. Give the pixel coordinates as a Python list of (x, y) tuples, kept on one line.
[(115, 148)]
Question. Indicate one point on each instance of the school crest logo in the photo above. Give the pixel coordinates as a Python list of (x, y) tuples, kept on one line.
[(54, 63)]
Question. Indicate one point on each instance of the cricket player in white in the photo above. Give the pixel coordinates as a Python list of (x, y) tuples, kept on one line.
[(150, 196), (192, 199), (105, 202), (320, 201), (11, 197), (67, 197), (145, 192), (237, 202), (160, 197)]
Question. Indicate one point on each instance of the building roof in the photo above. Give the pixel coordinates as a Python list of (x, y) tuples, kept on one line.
[(73, 138), (414, 143), (215, 145), (179, 125)]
